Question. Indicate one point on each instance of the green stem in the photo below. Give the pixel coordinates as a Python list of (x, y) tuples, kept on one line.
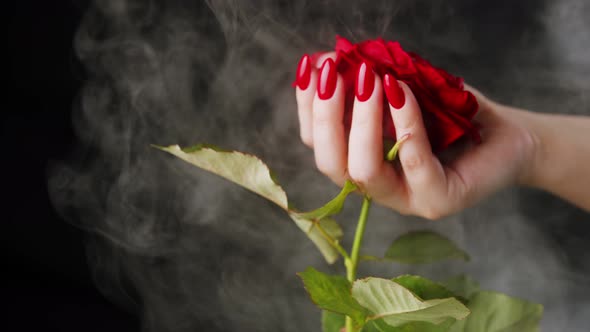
[(393, 152), (352, 264), (358, 238)]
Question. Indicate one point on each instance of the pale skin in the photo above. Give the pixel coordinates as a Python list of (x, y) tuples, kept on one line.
[(518, 147)]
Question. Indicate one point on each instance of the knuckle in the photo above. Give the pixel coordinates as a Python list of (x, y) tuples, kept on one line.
[(408, 122), (426, 210), (431, 216), (402, 211), (432, 213), (363, 119), (330, 170), (322, 118), (405, 211), (412, 161), (363, 176)]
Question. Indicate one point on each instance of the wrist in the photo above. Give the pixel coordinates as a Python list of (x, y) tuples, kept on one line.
[(532, 145), (533, 172), (561, 157)]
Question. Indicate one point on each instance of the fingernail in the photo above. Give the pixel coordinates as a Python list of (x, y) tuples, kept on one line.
[(393, 91), (303, 72), (327, 79), (365, 82)]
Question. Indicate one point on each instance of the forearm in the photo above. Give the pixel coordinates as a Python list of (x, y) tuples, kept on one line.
[(562, 156)]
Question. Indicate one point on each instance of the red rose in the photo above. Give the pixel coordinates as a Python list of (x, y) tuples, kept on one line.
[(447, 109)]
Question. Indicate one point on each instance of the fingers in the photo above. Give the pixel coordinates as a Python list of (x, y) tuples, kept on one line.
[(329, 141), (366, 165), (420, 187), (423, 173), (320, 110), (306, 86)]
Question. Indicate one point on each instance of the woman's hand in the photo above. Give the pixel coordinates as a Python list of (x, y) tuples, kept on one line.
[(423, 184)]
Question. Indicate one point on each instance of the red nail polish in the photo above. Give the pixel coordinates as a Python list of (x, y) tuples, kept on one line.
[(365, 82), (327, 79), (393, 91), (303, 72)]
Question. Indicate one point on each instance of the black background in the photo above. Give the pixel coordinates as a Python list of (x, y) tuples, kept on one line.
[(46, 282)]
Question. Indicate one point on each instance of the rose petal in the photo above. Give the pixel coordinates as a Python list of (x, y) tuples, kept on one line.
[(447, 109), (376, 52), (343, 45)]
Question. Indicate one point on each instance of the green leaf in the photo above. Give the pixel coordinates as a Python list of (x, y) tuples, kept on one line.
[(371, 258), (423, 247), (423, 288), (246, 170), (380, 326), (332, 293), (332, 207), (251, 173), (321, 233), (332, 322), (495, 312), (397, 305), (462, 285)]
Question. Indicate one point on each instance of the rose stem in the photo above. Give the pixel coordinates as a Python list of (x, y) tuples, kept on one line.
[(352, 264)]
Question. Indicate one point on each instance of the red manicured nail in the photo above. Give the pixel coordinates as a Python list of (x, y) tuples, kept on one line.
[(393, 91), (303, 72), (365, 82), (327, 79)]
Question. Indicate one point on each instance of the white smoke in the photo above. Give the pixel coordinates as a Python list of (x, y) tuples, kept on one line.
[(188, 251)]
